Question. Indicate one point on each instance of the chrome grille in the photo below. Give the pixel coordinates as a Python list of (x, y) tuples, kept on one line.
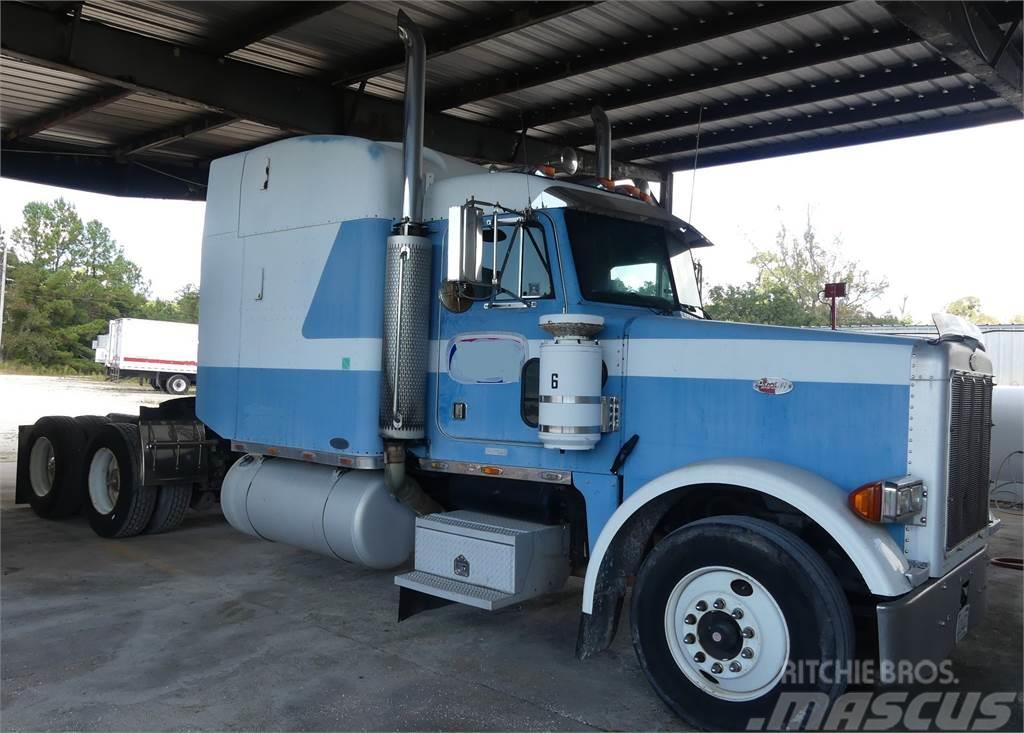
[(970, 431)]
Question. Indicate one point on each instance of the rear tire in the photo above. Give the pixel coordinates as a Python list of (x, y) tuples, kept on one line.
[(122, 417), (176, 384), (723, 607), (90, 424), (171, 504), (54, 467), (118, 504)]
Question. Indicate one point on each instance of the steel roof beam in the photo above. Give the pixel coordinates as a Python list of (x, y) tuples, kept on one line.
[(267, 24), (173, 133), (268, 21), (806, 93), (60, 166), (808, 122), (959, 121), (812, 122), (247, 91), (63, 115), (513, 16), (638, 45), (689, 83), (970, 36)]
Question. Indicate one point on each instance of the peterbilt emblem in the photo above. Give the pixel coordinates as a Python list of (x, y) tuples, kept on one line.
[(773, 385), (462, 566)]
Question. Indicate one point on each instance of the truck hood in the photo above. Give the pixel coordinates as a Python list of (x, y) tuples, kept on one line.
[(691, 348)]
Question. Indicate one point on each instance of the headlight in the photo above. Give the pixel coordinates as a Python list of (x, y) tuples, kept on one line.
[(889, 500)]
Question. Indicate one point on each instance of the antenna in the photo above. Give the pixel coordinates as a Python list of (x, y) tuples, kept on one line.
[(696, 153)]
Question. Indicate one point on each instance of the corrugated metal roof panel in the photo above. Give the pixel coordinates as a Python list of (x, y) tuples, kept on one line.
[(357, 35)]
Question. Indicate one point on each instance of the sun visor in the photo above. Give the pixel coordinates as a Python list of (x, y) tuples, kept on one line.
[(625, 207)]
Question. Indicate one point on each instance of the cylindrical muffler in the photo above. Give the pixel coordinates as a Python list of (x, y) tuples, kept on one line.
[(406, 330), (350, 515)]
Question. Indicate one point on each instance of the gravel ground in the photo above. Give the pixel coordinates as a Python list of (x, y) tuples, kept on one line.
[(25, 399)]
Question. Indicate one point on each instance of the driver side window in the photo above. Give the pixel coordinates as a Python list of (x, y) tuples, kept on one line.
[(522, 261)]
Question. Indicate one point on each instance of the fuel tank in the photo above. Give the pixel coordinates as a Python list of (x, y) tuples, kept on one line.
[(349, 515)]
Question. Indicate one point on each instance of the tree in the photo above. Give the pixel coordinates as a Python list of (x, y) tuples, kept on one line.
[(969, 307), (183, 308), (67, 280), (787, 288), (753, 304), (1019, 318), (49, 234)]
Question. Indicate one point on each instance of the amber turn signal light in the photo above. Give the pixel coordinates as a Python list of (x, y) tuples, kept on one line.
[(866, 501)]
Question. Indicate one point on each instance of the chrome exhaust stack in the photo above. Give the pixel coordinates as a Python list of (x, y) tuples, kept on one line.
[(603, 142), (408, 258), (412, 141)]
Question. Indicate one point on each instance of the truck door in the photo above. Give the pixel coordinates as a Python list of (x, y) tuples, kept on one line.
[(486, 362)]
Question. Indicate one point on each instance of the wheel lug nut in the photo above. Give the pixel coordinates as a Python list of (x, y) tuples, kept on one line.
[(735, 667), (716, 668), (719, 604), (690, 619), (748, 633), (702, 606), (737, 613), (689, 639), (699, 657), (747, 652)]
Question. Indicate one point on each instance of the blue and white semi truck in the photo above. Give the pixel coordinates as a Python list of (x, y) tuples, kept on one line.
[(494, 381)]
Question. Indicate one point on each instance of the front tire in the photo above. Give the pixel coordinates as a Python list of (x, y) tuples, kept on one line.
[(724, 607), (117, 505)]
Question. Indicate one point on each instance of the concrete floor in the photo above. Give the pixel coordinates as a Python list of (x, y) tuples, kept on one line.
[(205, 628)]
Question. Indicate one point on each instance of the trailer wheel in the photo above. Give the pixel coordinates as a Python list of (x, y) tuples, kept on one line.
[(172, 502), (54, 463), (176, 384), (118, 504), (724, 607)]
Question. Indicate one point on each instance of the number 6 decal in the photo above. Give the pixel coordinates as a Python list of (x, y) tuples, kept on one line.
[(554, 380)]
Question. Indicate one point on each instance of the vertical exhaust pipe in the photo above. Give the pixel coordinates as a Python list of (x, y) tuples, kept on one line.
[(408, 257), (412, 141), (603, 142)]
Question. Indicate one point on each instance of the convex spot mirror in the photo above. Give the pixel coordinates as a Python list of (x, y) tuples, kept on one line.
[(465, 245)]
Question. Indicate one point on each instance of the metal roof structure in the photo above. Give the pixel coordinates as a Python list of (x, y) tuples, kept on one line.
[(137, 97)]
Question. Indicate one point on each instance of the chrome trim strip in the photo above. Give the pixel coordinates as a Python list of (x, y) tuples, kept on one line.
[(554, 399), (570, 429), (338, 460), (544, 475)]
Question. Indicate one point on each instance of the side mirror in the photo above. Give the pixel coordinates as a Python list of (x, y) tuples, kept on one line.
[(465, 245)]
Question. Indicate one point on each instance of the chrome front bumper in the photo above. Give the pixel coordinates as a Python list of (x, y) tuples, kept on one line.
[(924, 623)]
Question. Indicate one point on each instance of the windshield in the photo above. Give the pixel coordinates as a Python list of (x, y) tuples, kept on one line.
[(627, 262)]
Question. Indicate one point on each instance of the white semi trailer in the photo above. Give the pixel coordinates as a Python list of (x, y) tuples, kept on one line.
[(163, 353), (495, 380)]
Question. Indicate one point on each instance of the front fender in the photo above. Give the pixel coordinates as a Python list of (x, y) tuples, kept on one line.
[(872, 550)]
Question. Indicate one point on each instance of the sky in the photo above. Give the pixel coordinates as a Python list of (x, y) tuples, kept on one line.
[(938, 215)]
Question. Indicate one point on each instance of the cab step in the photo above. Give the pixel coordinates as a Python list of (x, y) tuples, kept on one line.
[(483, 560)]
